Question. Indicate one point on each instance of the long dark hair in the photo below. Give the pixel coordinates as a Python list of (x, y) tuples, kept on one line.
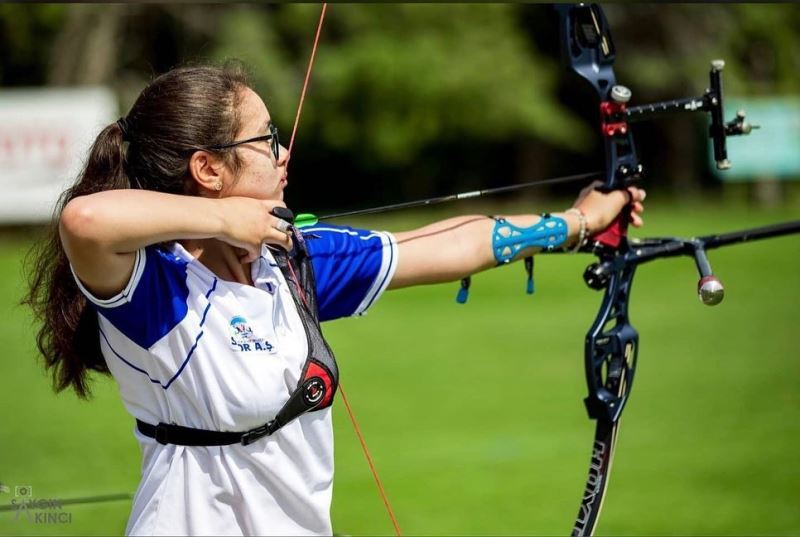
[(185, 108)]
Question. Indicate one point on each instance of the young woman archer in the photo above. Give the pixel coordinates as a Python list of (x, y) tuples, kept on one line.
[(172, 268)]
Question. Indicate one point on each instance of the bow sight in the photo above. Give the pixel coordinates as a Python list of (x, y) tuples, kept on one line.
[(711, 102), (612, 342)]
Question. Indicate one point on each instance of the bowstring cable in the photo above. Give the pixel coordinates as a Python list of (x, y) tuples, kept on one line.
[(308, 77), (350, 413), (371, 464)]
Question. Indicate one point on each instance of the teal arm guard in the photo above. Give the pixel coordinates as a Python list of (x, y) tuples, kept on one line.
[(508, 240)]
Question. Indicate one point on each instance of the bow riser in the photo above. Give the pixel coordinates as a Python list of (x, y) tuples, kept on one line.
[(611, 350), (589, 50)]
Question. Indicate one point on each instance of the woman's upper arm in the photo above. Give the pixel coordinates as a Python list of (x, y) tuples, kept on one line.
[(411, 258), (102, 271)]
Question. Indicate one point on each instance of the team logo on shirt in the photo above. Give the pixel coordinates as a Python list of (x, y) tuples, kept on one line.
[(244, 340)]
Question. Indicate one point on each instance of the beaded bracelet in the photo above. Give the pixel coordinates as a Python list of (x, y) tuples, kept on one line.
[(582, 232)]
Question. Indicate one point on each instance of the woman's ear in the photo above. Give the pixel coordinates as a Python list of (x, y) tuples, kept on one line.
[(208, 172)]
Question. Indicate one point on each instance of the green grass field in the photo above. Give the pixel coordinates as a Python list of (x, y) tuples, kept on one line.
[(474, 413)]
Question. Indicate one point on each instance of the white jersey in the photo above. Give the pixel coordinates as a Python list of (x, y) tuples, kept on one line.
[(188, 348)]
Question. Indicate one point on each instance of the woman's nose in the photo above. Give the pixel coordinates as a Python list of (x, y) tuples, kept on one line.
[(283, 155)]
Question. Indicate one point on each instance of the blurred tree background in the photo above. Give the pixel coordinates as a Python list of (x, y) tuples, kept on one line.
[(411, 100), (415, 100)]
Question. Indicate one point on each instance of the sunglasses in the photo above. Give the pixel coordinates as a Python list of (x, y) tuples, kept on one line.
[(272, 137)]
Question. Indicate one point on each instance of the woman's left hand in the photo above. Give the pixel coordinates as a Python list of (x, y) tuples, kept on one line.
[(602, 208)]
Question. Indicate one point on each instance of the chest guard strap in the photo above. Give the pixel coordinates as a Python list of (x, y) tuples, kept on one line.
[(318, 380)]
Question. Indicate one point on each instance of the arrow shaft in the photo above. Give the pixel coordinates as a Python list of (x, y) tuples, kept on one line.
[(462, 195)]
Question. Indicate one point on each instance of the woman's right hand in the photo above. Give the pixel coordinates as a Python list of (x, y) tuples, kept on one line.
[(249, 222)]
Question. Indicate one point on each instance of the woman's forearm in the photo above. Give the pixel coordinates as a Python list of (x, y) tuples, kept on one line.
[(125, 220), (457, 247)]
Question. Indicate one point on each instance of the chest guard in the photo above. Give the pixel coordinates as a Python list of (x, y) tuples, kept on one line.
[(319, 378)]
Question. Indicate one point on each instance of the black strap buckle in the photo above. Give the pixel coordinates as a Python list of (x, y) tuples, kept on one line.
[(259, 432), (162, 433)]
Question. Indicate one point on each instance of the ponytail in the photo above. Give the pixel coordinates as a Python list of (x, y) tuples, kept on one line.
[(185, 108), (68, 338)]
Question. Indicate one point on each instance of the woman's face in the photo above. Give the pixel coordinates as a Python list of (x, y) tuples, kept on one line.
[(261, 176)]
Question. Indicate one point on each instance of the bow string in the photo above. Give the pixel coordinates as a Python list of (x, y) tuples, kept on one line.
[(350, 413)]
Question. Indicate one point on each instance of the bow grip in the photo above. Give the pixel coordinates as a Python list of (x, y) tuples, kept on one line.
[(618, 229)]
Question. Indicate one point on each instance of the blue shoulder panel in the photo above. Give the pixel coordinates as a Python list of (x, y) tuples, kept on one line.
[(351, 267), (156, 304)]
